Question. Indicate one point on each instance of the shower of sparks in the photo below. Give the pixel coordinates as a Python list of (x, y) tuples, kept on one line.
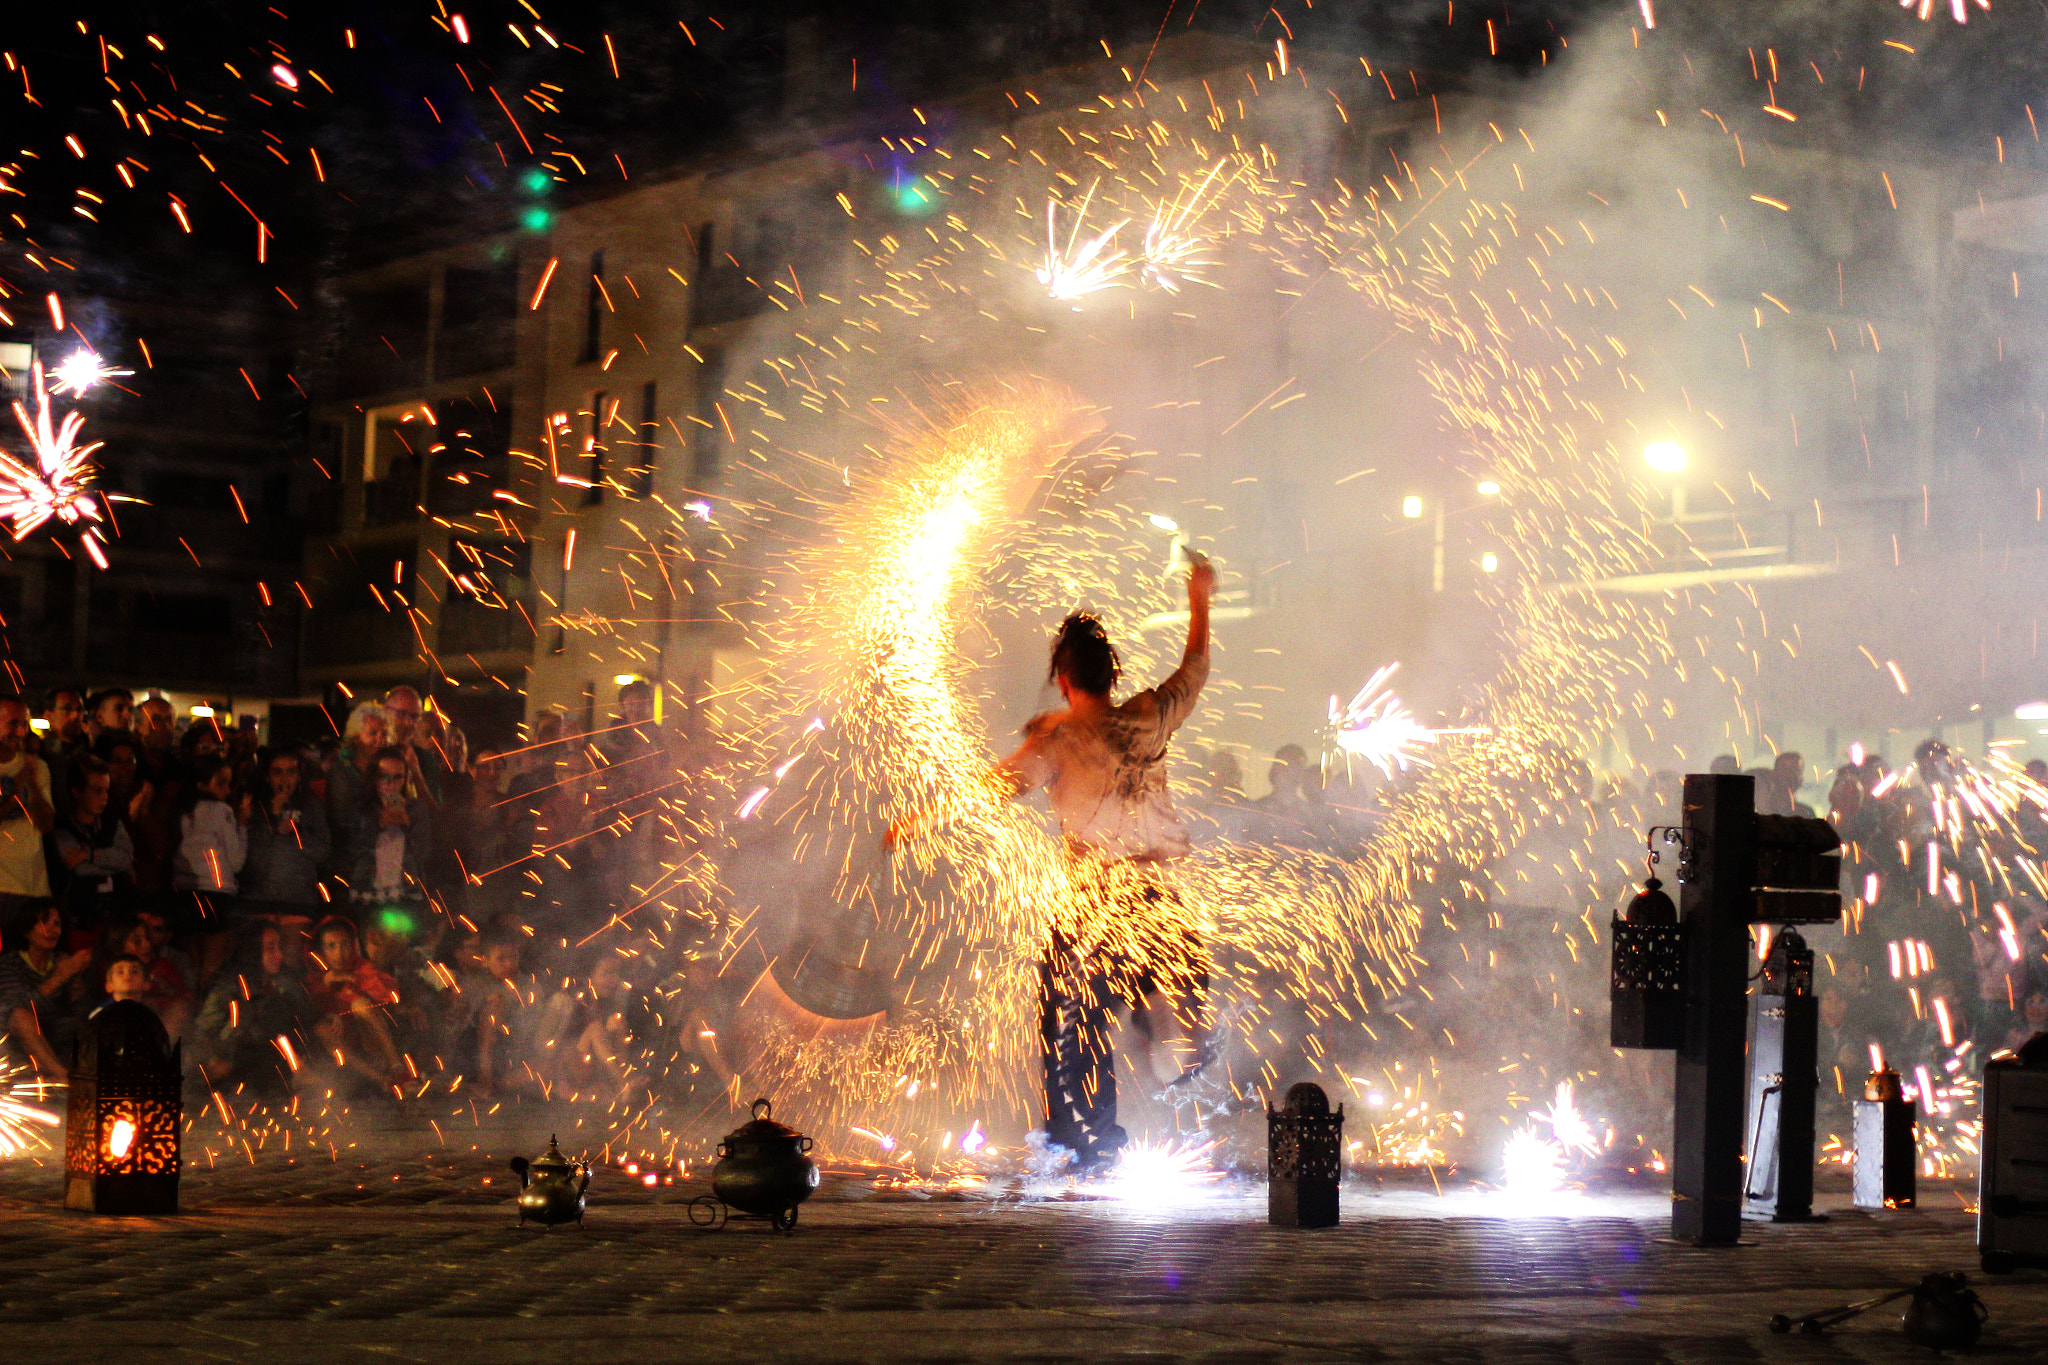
[(22, 1114), (1084, 265), (1536, 1161), (1532, 1163), (1958, 10), (80, 372), (59, 484), (1154, 1172), (1176, 250), (1376, 727)]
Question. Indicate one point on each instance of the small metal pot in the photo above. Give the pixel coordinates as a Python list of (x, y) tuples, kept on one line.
[(762, 1168), (549, 1189)]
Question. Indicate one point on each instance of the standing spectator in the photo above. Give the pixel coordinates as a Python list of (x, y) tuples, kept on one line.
[(26, 814), (42, 991), (1789, 774), (288, 843), (349, 783), (91, 856), (64, 736), (211, 851), (393, 835), (426, 766), (110, 708), (157, 729)]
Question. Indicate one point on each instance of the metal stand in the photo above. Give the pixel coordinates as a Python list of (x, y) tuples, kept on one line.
[(1706, 1158), (1784, 1077)]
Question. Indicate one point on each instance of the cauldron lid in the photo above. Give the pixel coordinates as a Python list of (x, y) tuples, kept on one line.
[(763, 1128)]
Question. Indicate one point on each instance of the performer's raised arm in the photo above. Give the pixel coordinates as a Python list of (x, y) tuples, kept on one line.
[(1176, 696)]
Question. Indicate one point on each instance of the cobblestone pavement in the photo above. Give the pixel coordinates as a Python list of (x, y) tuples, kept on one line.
[(419, 1259)]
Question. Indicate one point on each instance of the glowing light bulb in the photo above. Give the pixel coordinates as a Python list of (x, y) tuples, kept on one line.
[(1411, 506), (1666, 457)]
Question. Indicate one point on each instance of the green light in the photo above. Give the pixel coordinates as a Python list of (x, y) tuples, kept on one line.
[(536, 219), (395, 922), (535, 180), (910, 199)]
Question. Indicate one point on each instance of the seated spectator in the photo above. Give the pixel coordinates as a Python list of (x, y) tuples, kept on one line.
[(288, 843), (584, 1033), (701, 1002), (254, 1003), (349, 997), (125, 979), (392, 837), (167, 989), (91, 856), (486, 1023), (210, 854), (42, 991)]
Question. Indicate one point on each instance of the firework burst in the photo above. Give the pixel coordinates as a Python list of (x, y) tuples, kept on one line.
[(21, 1112), (82, 371), (59, 484)]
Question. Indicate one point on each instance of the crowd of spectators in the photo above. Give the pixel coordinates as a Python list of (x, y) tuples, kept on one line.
[(381, 909)]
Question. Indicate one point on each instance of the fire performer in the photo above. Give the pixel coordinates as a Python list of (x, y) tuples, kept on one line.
[(1120, 938)]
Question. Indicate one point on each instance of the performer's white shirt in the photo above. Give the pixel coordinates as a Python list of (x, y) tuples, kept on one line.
[(1106, 778)]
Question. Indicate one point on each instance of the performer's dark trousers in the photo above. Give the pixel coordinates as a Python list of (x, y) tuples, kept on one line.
[(1074, 1008)]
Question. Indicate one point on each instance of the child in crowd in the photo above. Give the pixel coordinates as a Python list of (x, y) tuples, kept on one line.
[(251, 1028), (210, 853), (126, 979), (486, 1019), (350, 997), (585, 1031), (165, 988)]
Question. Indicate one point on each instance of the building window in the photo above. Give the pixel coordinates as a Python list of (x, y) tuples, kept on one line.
[(602, 405), (708, 426), (595, 304), (642, 481)]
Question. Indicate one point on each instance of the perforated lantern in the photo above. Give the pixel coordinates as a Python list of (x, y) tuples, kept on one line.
[(1646, 991), (1304, 1159), (125, 1115)]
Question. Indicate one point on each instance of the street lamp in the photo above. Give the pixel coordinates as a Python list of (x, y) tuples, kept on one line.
[(1411, 507)]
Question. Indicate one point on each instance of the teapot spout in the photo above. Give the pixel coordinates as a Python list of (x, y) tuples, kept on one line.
[(520, 1165)]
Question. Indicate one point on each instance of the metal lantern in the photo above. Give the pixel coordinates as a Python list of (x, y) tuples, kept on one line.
[(1646, 991), (125, 1114), (1887, 1155), (1304, 1159)]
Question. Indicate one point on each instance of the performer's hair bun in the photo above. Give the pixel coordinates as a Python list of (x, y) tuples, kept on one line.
[(1083, 655)]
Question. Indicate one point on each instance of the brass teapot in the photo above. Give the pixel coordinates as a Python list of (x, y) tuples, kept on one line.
[(549, 1190), (762, 1168)]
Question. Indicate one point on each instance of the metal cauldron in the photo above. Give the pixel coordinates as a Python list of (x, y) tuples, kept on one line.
[(763, 1170)]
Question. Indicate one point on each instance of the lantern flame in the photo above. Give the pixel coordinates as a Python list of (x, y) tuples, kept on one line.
[(120, 1139)]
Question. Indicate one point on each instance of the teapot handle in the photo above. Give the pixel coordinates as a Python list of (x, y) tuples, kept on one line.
[(806, 1145)]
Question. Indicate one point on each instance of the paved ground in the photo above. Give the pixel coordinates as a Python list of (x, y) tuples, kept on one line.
[(407, 1257)]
